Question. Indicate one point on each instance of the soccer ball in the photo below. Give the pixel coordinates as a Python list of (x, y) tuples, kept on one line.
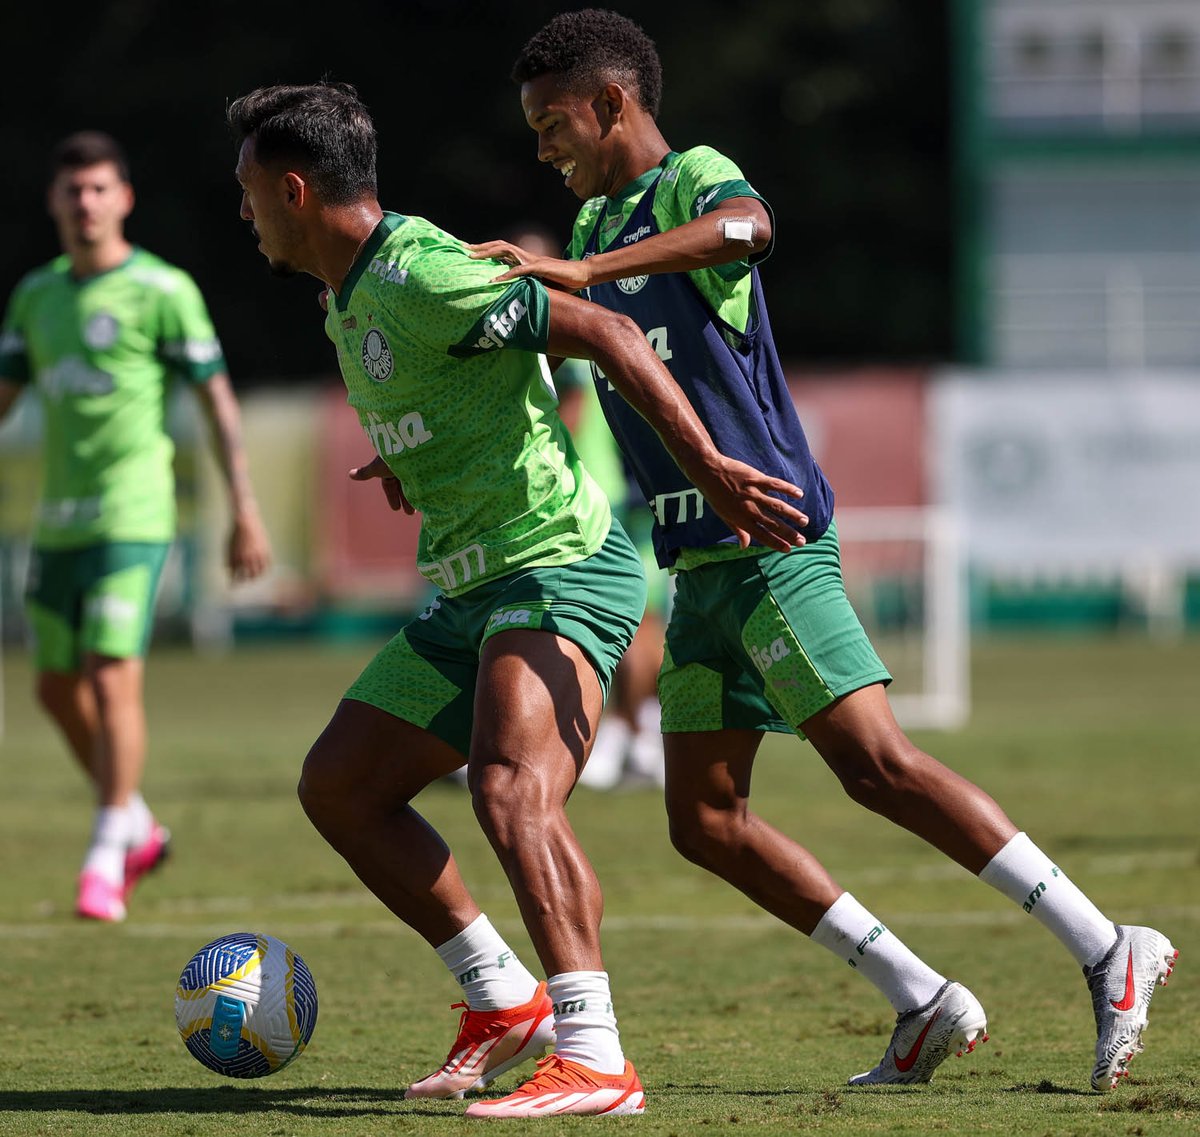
[(246, 1005)]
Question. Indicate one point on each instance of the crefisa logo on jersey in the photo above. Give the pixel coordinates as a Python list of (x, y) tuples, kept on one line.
[(100, 331), (377, 356), (632, 284)]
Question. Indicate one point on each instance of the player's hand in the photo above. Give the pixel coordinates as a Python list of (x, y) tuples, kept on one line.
[(570, 275), (746, 500), (248, 551), (392, 490), (323, 299)]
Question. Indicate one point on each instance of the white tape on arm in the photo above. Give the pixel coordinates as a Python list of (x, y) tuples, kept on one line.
[(740, 229)]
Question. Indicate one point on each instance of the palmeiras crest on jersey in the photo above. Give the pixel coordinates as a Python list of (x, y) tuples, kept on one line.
[(100, 331), (377, 356), (632, 284)]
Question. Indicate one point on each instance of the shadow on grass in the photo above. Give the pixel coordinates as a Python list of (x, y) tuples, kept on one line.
[(1048, 1087), (303, 1101)]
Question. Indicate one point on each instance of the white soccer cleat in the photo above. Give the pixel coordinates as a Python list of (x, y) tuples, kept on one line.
[(951, 1022), (561, 1086), (1121, 985), (488, 1044)]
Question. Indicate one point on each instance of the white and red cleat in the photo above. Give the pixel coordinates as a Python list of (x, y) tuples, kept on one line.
[(488, 1044), (561, 1086)]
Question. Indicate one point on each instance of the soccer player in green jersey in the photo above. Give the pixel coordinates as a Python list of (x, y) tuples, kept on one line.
[(540, 591), (760, 640), (98, 333)]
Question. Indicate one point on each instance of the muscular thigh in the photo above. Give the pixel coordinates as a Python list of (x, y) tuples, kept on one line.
[(537, 704)]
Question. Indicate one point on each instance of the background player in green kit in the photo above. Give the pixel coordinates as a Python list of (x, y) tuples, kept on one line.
[(98, 333), (760, 640), (539, 591)]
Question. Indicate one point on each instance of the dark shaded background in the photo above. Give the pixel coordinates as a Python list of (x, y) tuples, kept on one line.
[(837, 111)]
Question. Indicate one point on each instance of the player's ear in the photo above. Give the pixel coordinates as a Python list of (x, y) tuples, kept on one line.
[(613, 101), (296, 189)]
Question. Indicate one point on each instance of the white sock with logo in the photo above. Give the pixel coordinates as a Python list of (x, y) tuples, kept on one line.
[(849, 931), (110, 839), (486, 968), (584, 1021), (1023, 873)]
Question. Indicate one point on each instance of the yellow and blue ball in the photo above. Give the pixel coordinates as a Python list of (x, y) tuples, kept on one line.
[(246, 1005)]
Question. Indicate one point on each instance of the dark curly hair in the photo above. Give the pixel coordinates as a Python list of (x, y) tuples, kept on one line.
[(322, 127), (592, 47)]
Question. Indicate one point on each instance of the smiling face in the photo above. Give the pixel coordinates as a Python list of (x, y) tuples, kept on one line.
[(574, 135), (89, 205), (267, 198)]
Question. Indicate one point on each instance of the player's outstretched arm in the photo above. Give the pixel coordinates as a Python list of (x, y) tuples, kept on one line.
[(731, 231), (248, 550), (746, 499)]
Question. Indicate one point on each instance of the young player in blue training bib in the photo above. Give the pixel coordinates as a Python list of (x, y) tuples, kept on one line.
[(760, 640)]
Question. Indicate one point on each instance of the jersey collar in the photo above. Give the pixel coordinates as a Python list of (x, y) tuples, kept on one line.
[(388, 224), (641, 183)]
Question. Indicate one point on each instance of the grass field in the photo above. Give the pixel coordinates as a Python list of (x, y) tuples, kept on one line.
[(736, 1024)]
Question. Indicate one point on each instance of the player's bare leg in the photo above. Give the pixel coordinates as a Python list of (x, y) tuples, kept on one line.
[(66, 697), (861, 742), (881, 769), (356, 787), (537, 703), (120, 754), (100, 714), (707, 798)]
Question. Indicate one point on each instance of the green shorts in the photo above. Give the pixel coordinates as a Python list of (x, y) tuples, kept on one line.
[(638, 522), (98, 600), (426, 674), (763, 642)]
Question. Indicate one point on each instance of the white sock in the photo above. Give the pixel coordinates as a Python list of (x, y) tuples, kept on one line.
[(141, 820), (849, 931), (646, 747), (110, 839), (1023, 873), (604, 764), (486, 968), (584, 1022)]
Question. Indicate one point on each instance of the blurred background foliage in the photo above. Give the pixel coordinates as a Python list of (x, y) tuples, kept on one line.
[(837, 111)]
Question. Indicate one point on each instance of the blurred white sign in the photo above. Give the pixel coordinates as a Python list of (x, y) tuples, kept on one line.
[(1066, 472)]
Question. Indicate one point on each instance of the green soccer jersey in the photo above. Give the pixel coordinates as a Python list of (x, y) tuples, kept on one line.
[(441, 366), (100, 352), (693, 182)]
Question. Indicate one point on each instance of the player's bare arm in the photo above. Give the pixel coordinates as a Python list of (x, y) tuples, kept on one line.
[(743, 497), (248, 551), (733, 230)]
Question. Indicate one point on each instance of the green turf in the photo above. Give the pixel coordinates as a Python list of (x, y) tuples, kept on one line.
[(735, 1023)]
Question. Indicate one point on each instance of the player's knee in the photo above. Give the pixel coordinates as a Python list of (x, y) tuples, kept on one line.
[(875, 776), (323, 789), (700, 835), (510, 804)]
